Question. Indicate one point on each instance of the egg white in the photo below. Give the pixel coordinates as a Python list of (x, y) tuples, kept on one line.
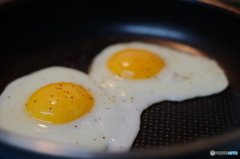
[(184, 76), (114, 121), (85, 132)]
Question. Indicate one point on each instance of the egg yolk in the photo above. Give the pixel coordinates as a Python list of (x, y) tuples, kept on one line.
[(59, 103), (135, 64)]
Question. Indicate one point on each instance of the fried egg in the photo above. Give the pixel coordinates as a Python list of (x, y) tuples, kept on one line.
[(57, 104), (136, 75)]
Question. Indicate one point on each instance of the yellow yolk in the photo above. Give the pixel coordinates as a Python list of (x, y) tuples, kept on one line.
[(59, 103), (135, 64)]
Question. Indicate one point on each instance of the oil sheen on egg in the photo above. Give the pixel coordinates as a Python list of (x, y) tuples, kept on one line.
[(136, 75), (57, 104)]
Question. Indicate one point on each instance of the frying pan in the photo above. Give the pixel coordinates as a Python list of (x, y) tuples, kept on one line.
[(41, 33)]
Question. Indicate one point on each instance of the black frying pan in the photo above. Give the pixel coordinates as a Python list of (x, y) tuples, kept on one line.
[(41, 33)]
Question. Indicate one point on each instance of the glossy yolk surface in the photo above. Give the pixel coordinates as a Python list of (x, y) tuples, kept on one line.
[(59, 103), (135, 64)]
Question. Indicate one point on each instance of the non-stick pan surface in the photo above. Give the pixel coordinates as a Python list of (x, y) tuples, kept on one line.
[(42, 33)]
